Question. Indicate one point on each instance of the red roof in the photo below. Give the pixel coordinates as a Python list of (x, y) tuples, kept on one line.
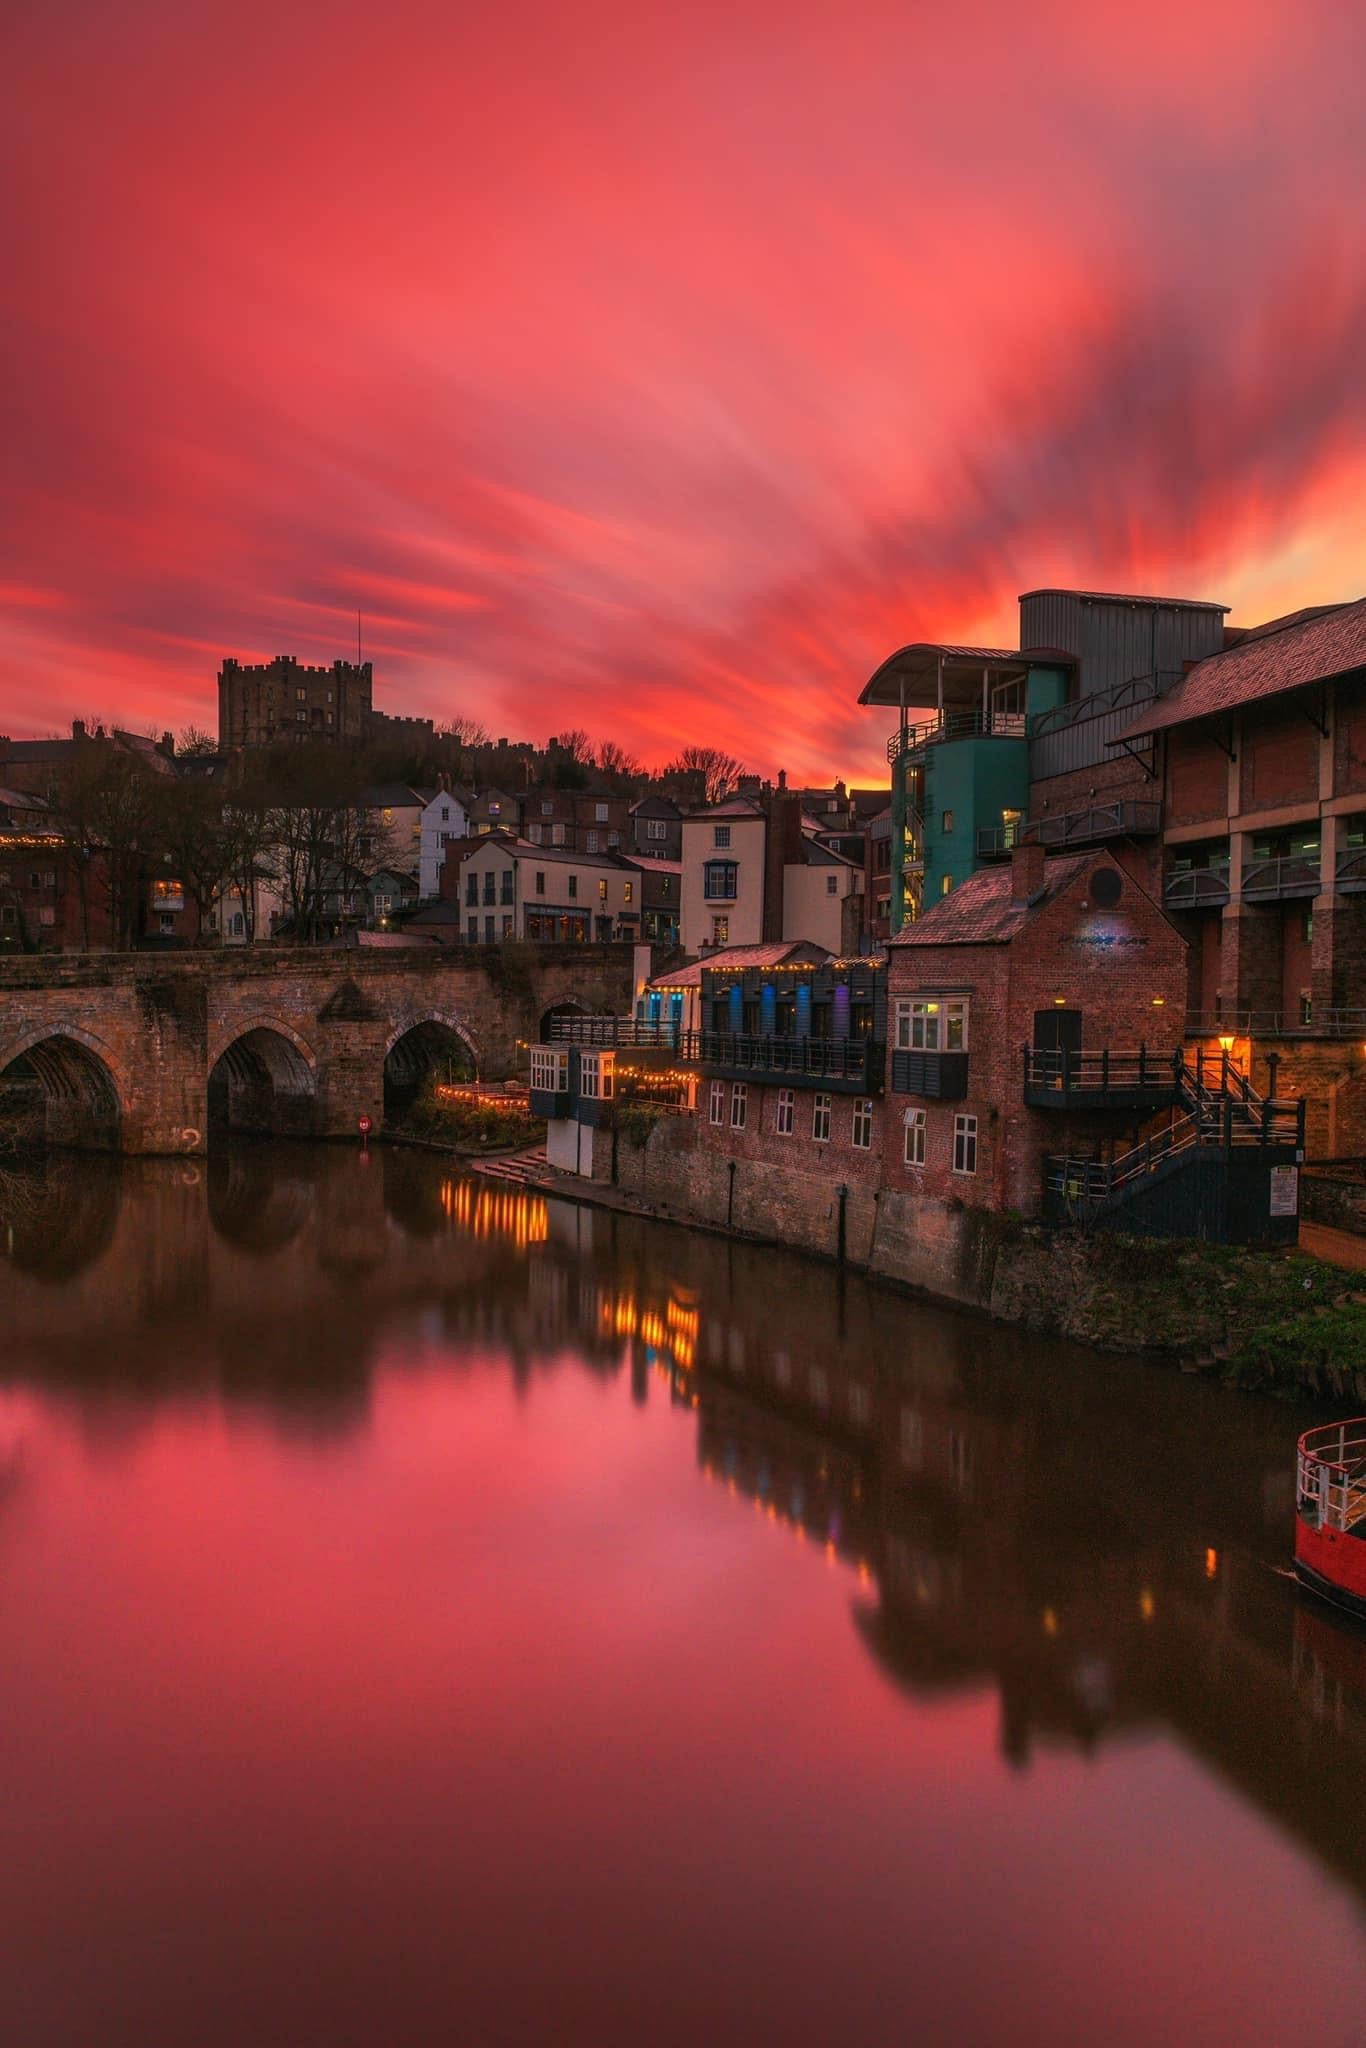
[(1267, 663), (795, 952), (982, 911)]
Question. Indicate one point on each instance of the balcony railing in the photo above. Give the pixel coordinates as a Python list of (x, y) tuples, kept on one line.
[(850, 1063), (1291, 874), (1104, 1079), (956, 725), (1089, 827), (1197, 888), (631, 1032), (1350, 872), (1329, 1022)]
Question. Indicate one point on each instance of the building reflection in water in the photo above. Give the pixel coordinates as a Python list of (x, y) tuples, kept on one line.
[(1013, 1518)]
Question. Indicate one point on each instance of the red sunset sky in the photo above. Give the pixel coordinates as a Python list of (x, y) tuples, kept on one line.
[(658, 370)]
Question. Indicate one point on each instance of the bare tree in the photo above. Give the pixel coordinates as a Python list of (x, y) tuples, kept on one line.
[(719, 771), (193, 742), (614, 760)]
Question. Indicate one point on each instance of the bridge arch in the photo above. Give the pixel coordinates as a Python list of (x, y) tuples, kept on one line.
[(569, 1007), (262, 1082), (63, 1086), (428, 1048)]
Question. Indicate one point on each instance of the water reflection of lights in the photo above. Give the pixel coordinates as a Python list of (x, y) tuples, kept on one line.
[(496, 1212)]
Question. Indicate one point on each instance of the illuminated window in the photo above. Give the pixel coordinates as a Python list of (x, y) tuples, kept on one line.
[(720, 931), (602, 890), (965, 1144), (915, 1137), (945, 885), (931, 1024), (628, 890), (782, 1120), (947, 821), (550, 1068), (862, 1134), (820, 1118)]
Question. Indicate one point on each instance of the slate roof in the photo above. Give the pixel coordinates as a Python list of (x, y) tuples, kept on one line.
[(1266, 664), (982, 911)]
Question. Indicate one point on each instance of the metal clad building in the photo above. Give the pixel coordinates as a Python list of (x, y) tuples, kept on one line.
[(1117, 638)]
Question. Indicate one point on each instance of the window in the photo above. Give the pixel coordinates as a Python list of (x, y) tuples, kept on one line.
[(719, 879), (490, 930), (613, 841), (540, 881), (832, 884), (507, 927), (945, 884), (471, 888), (490, 885), (628, 890), (48, 916), (862, 1134), (301, 694), (600, 813), (505, 893), (820, 1118), (472, 931), (1307, 926), (720, 931), (558, 836), (301, 713), (445, 814), (915, 1137), (716, 1103), (550, 1068), (782, 1120), (947, 821), (533, 833), (739, 1105), (238, 924), (602, 890), (965, 1144), (656, 828), (547, 810), (931, 1024), (573, 885), (596, 1077), (720, 835), (383, 904), (590, 843)]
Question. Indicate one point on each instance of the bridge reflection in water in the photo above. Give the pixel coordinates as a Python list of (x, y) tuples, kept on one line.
[(1014, 1522)]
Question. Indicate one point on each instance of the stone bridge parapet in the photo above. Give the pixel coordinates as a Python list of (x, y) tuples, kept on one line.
[(124, 1045)]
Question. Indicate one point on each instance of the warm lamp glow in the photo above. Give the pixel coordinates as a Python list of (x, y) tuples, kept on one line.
[(1225, 1041)]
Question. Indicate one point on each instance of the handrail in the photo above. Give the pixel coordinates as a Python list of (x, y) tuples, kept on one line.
[(1330, 1475), (1285, 874), (772, 1052), (1136, 691), (1197, 885), (955, 725), (1071, 1071), (1334, 1022)]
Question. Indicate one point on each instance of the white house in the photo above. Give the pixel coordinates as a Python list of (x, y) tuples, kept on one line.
[(445, 818)]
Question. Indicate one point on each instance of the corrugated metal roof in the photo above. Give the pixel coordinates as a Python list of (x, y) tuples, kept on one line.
[(982, 911), (1184, 604), (1267, 664)]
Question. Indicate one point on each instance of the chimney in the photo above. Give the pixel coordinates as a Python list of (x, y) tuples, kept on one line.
[(1026, 871), (78, 728), (782, 778), (168, 745)]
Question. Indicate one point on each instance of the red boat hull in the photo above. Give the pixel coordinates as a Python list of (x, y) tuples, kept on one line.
[(1332, 1563)]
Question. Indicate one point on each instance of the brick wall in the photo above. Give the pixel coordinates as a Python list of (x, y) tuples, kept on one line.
[(1278, 760), (1196, 783), (1349, 748)]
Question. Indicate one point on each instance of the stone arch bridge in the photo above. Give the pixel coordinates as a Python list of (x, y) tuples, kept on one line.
[(154, 1052)]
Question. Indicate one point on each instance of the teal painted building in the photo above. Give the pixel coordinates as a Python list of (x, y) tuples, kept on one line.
[(959, 759)]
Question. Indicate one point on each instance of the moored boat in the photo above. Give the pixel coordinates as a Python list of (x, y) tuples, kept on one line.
[(1330, 1513)]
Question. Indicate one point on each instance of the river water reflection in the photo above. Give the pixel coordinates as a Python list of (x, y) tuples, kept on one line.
[(434, 1614)]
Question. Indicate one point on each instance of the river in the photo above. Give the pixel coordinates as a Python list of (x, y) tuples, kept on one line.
[(430, 1613)]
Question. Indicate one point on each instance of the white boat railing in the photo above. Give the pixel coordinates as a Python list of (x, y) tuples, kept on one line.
[(1330, 1489)]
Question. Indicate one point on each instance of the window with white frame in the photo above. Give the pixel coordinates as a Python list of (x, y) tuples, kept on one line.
[(600, 813), (720, 931), (820, 1118), (782, 1116), (931, 1024), (550, 1068), (915, 1137), (965, 1144), (720, 880), (832, 885), (716, 1102), (590, 842), (720, 835), (596, 1078), (656, 828), (739, 1105), (861, 1137)]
